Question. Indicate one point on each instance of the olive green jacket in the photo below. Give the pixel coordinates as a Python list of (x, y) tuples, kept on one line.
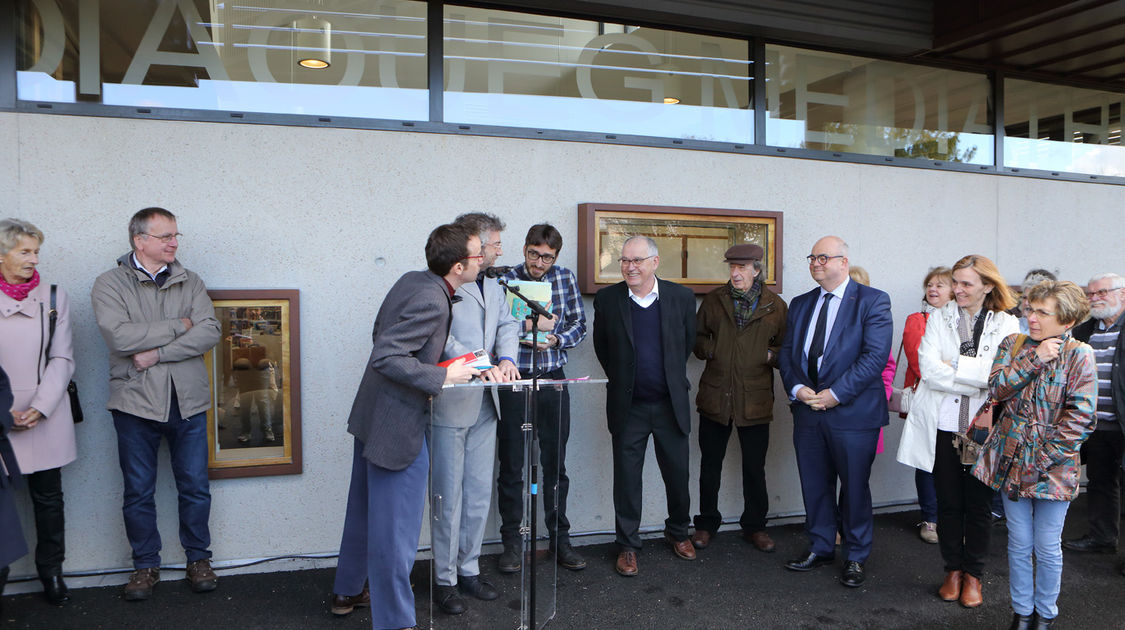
[(737, 381)]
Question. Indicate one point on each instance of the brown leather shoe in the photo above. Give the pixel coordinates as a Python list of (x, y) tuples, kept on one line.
[(200, 576), (761, 540), (141, 583), (950, 590), (345, 604), (970, 591), (683, 548), (701, 538), (627, 563)]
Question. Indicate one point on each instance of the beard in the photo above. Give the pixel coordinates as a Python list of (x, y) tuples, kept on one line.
[(1105, 312)]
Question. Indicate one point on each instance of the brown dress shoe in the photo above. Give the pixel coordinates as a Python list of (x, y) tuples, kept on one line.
[(970, 591), (627, 563), (761, 541), (701, 538), (683, 548), (345, 604), (950, 590)]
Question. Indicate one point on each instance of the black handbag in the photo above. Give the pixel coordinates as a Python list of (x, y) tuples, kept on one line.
[(71, 387)]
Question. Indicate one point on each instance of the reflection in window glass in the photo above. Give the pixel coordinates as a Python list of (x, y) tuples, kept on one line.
[(520, 70), (1059, 128), (335, 57), (833, 102)]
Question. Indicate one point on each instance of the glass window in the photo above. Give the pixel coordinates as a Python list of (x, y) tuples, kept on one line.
[(515, 69), (1059, 128), (832, 102), (335, 57)]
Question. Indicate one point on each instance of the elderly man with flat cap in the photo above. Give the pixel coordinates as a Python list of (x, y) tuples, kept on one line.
[(739, 329)]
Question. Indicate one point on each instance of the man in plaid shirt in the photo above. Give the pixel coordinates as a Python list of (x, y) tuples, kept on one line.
[(566, 329)]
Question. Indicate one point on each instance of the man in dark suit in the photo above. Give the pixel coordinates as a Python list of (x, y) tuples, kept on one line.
[(838, 338), (644, 331), (390, 460)]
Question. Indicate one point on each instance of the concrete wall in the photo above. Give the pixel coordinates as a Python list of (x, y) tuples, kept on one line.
[(316, 209)]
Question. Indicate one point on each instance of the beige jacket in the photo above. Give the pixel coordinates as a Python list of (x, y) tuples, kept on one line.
[(135, 315), (37, 382)]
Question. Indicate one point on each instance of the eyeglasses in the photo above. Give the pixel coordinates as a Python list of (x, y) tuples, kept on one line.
[(533, 255), (481, 256), (496, 244), (164, 238), (821, 259), (625, 262), (1101, 293), (1038, 312)]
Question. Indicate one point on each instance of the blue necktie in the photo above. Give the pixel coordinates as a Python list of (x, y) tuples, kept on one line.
[(817, 347)]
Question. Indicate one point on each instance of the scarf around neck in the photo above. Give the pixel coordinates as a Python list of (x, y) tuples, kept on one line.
[(19, 292), (744, 302)]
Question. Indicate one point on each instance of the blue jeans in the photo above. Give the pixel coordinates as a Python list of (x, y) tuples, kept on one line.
[(1035, 524), (927, 494), (137, 443)]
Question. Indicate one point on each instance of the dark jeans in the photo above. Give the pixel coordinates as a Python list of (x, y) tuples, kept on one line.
[(553, 419), (754, 441), (1102, 455), (927, 495), (629, 446), (45, 488), (964, 521), (137, 443)]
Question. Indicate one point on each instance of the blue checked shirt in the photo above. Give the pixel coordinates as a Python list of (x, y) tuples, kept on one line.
[(566, 305)]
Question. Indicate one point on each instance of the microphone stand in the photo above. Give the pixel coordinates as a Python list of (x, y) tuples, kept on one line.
[(531, 430)]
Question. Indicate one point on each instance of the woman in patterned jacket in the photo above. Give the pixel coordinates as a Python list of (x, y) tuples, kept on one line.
[(1047, 389)]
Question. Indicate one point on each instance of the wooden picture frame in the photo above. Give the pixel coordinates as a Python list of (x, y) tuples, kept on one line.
[(691, 240), (254, 421)]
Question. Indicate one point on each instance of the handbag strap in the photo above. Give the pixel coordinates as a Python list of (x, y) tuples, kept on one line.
[(52, 318)]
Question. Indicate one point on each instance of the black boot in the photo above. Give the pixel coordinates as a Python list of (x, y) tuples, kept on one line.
[(54, 588), (1022, 622), (1043, 623)]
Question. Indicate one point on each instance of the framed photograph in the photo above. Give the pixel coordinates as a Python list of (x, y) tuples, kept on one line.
[(254, 422), (692, 242)]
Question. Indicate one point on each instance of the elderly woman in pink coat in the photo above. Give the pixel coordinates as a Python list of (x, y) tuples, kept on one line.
[(39, 368)]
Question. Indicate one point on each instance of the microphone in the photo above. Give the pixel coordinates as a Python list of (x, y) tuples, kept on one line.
[(496, 272)]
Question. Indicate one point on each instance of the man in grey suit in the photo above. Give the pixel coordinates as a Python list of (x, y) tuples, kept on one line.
[(390, 461), (463, 430)]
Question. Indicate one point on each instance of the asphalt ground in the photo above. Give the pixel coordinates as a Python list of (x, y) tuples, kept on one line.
[(730, 585)]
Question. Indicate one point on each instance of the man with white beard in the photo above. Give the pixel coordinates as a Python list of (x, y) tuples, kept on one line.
[(1102, 452)]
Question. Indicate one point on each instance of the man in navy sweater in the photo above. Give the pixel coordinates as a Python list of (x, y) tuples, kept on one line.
[(644, 332)]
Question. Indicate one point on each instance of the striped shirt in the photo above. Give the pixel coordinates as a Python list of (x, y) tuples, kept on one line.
[(1104, 343)]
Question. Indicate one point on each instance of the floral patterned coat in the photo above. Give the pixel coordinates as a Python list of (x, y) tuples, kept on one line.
[(1048, 411)]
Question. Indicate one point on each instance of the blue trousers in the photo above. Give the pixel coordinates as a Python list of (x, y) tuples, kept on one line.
[(137, 442), (384, 506), (825, 454), (1035, 525)]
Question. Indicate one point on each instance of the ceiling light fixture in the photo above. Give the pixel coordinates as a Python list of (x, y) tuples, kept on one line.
[(671, 100), (312, 41)]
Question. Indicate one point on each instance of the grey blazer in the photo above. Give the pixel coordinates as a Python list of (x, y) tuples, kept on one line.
[(392, 406), (479, 321)]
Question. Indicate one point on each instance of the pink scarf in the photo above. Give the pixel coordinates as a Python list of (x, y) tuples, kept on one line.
[(18, 292)]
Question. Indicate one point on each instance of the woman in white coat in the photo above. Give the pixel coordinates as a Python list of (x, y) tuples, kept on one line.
[(42, 433), (955, 357)]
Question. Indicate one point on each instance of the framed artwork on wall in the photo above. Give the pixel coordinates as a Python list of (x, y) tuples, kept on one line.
[(254, 422), (691, 242)]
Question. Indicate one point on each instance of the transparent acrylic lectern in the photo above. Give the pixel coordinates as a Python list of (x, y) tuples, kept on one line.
[(526, 598)]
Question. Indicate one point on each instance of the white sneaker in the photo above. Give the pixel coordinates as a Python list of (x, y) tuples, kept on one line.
[(927, 531)]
